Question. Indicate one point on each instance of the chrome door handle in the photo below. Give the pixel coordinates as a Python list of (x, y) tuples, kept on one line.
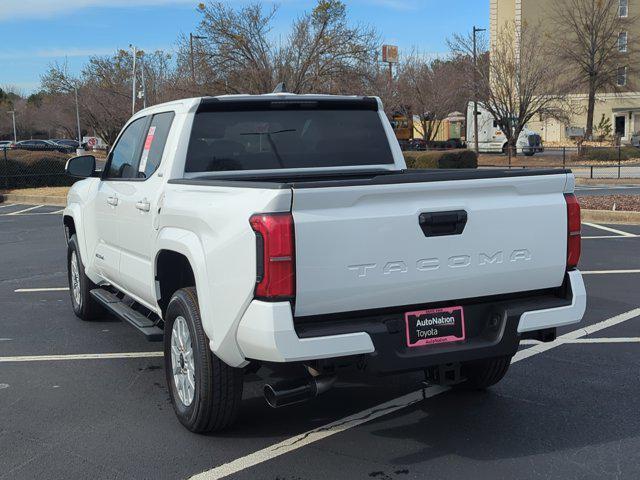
[(143, 205), (113, 201)]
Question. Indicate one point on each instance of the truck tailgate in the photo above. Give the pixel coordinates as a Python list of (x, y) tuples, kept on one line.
[(363, 247)]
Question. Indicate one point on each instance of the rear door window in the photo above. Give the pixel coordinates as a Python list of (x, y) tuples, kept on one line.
[(263, 137), (155, 141)]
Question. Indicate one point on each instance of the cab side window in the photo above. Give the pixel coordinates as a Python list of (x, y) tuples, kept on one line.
[(123, 162), (154, 143)]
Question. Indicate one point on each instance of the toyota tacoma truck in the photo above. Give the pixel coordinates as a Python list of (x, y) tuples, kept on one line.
[(285, 231)]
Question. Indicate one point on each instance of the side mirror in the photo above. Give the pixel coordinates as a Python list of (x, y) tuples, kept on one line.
[(83, 166)]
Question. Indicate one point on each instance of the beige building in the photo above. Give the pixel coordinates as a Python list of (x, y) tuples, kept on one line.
[(623, 109)]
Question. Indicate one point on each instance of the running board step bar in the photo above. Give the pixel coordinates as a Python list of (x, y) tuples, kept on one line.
[(124, 312)]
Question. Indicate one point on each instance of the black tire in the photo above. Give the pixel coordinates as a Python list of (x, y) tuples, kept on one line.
[(530, 153), (218, 387), (86, 307), (482, 374)]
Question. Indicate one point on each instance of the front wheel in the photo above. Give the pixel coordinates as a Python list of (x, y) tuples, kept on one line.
[(84, 305), (205, 392), (482, 374)]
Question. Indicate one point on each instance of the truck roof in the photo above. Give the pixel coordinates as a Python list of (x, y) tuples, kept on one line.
[(191, 104)]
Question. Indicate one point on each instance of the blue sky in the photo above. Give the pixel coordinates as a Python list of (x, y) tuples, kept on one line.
[(35, 33)]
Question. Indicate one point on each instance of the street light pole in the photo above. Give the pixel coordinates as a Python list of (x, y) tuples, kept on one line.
[(475, 87), (75, 88), (193, 37), (144, 85), (133, 83), (15, 136)]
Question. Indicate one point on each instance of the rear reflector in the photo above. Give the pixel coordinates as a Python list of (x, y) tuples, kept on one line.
[(276, 255), (573, 231)]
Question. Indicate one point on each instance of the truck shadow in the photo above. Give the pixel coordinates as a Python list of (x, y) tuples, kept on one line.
[(499, 424)]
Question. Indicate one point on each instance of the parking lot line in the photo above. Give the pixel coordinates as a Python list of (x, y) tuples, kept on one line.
[(25, 210), (52, 289), (7, 205), (575, 334), (320, 433), (610, 236), (386, 408), (605, 340), (609, 272), (609, 229), (82, 356)]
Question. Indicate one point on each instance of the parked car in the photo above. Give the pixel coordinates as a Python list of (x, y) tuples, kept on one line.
[(6, 144), (43, 145), (417, 144), (286, 231), (68, 142)]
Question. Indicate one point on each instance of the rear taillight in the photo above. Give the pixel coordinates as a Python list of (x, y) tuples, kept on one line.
[(573, 231), (275, 256)]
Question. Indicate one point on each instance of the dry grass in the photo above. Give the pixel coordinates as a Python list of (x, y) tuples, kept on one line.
[(626, 203), (41, 191)]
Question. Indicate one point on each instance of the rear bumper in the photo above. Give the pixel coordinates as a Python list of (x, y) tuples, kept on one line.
[(268, 332)]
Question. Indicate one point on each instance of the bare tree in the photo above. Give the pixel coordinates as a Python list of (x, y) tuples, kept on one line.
[(521, 79), (590, 40), (429, 91), (104, 88), (239, 54)]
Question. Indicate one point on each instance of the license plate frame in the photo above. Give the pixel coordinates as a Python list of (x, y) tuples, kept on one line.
[(435, 326)]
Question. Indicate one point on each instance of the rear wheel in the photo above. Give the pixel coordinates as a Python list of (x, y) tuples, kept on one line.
[(205, 392), (482, 374), (84, 305)]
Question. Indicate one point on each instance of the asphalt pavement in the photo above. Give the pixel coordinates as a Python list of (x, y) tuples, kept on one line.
[(88, 399)]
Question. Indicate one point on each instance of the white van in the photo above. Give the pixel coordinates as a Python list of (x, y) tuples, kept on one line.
[(492, 140)]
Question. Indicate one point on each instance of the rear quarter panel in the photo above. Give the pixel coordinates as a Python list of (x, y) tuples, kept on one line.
[(211, 224)]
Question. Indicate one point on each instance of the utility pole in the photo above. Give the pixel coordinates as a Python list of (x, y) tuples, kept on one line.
[(13, 114), (133, 83), (75, 88), (193, 37), (144, 85), (475, 86)]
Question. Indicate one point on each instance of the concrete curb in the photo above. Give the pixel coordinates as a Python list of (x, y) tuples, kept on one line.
[(33, 199), (609, 216)]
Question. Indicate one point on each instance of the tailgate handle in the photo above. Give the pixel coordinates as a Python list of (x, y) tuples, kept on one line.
[(439, 224)]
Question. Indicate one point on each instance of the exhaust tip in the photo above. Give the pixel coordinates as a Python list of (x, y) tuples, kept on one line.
[(296, 391), (270, 396)]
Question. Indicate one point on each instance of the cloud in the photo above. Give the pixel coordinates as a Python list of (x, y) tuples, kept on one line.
[(12, 9), (56, 53), (61, 52)]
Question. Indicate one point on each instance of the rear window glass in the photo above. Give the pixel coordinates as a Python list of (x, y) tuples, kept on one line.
[(275, 139)]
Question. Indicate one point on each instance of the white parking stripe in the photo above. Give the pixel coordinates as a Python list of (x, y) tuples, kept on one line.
[(320, 433), (25, 210), (605, 340), (609, 272), (82, 356), (391, 406), (52, 289), (582, 332), (609, 229), (610, 236), (7, 205)]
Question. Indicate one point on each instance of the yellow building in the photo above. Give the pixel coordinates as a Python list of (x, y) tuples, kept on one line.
[(623, 109)]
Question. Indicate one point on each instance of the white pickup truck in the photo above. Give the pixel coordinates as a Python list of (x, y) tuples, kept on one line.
[(270, 230)]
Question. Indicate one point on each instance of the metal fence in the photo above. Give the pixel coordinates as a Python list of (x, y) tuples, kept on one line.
[(585, 161), (23, 169)]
